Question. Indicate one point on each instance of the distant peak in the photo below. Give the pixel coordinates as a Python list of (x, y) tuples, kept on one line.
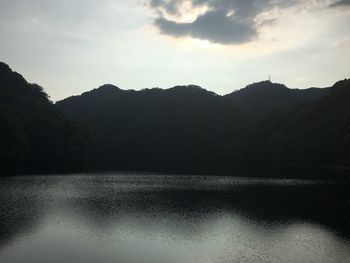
[(105, 89), (190, 88), (261, 86), (341, 87), (266, 84), (5, 67), (108, 87), (342, 82), (7, 74)]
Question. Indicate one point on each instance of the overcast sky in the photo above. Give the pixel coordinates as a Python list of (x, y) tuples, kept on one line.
[(69, 47)]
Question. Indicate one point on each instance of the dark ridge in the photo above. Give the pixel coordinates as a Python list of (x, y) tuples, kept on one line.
[(4, 68), (341, 87), (107, 89), (10, 79), (104, 90), (314, 135), (184, 129), (190, 89), (261, 86), (262, 98), (34, 136)]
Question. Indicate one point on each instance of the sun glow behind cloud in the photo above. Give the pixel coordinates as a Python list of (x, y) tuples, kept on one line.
[(279, 29), (186, 13)]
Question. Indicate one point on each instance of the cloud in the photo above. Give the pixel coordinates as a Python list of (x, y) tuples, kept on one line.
[(341, 3), (214, 26), (227, 21), (224, 21)]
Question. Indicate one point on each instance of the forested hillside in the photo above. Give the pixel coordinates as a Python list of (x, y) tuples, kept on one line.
[(315, 134), (34, 136), (184, 129)]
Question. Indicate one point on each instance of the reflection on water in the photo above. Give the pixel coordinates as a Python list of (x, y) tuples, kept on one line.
[(187, 219)]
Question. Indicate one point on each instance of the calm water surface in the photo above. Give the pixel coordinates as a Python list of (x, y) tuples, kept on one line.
[(172, 219)]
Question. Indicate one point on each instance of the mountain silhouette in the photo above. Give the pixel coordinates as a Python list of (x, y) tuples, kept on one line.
[(179, 129), (262, 98), (318, 133), (314, 135), (34, 136), (184, 129)]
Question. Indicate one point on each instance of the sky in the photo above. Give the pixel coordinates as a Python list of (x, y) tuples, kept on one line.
[(69, 47)]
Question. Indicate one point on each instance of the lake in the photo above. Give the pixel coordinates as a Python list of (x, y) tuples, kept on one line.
[(129, 218)]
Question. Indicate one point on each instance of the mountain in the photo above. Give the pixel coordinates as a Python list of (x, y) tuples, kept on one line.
[(316, 134), (34, 136), (184, 129), (181, 129), (260, 99)]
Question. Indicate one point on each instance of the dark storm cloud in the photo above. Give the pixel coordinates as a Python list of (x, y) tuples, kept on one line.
[(225, 22), (214, 26), (341, 3)]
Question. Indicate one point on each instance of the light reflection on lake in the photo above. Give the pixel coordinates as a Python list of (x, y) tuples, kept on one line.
[(187, 219)]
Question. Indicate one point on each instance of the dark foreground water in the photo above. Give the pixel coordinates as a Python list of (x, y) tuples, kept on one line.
[(172, 219)]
